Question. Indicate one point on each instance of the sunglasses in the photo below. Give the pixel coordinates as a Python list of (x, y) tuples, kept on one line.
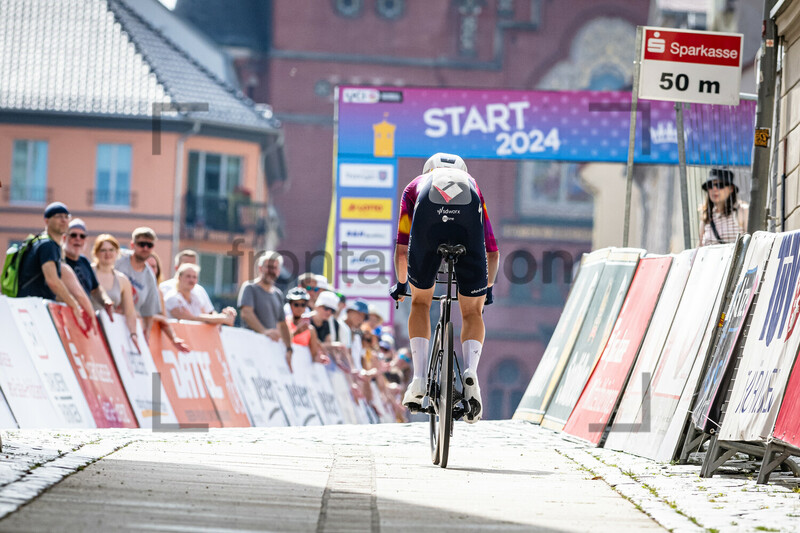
[(144, 244), (312, 289), (298, 304), (332, 310), (717, 185), (77, 235)]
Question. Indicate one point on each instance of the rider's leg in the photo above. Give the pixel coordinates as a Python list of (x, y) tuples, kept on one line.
[(472, 334), (419, 329), (472, 329)]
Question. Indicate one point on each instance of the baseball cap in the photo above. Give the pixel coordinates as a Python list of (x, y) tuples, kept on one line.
[(358, 305), (328, 299), (297, 293), (77, 223), (322, 282), (373, 310), (54, 209), (386, 342)]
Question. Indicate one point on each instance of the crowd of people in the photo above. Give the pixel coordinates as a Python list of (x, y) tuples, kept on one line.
[(346, 332)]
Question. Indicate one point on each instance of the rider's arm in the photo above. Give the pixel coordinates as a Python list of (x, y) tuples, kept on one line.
[(493, 261), (492, 252), (401, 262)]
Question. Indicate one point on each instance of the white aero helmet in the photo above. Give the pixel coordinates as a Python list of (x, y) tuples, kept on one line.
[(442, 160)]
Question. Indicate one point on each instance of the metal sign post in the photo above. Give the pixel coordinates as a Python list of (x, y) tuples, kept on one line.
[(687, 238), (632, 136)]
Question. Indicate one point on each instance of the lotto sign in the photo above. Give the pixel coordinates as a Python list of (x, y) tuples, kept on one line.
[(690, 66)]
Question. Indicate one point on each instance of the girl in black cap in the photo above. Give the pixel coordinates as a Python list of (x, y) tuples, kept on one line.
[(723, 216)]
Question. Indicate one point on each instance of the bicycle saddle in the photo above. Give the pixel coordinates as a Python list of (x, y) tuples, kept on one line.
[(451, 250)]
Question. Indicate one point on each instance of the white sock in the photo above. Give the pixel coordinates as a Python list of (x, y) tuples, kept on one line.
[(419, 356), (472, 353)]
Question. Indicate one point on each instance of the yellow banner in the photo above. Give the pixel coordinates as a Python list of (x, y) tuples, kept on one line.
[(366, 208)]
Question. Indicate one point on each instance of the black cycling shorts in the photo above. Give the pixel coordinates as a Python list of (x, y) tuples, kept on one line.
[(455, 220)]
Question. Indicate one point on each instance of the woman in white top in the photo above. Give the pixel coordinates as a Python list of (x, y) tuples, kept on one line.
[(183, 304), (723, 216)]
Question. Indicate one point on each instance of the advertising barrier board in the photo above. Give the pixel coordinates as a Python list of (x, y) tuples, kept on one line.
[(96, 372), (324, 395), (600, 317), (295, 394), (770, 348), (604, 388), (136, 370), (629, 419), (341, 388), (787, 426), (31, 320), (7, 420), (684, 354), (537, 397), (20, 382), (706, 405), (247, 352)]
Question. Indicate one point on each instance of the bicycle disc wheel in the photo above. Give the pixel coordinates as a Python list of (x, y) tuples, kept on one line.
[(435, 359), (446, 396)]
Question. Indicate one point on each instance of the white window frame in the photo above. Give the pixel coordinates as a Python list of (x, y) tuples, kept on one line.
[(112, 178), (29, 171)]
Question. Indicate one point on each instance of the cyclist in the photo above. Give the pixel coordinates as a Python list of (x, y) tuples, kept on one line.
[(445, 206)]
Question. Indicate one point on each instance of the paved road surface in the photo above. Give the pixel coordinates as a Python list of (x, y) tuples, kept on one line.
[(502, 477)]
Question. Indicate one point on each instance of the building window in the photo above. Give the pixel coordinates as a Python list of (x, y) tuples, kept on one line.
[(29, 172), (552, 189), (390, 9), (507, 385), (218, 276), (214, 193), (113, 180), (349, 8)]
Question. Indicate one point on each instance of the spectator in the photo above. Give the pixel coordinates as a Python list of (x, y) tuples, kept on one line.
[(327, 330), (73, 256), (340, 310), (375, 319), (40, 269), (154, 262), (308, 281), (299, 324), (356, 313), (261, 302), (181, 258), (723, 216), (115, 284), (182, 302), (134, 265)]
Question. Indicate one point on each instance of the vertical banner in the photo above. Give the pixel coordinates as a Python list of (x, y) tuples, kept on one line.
[(706, 405), (540, 390), (31, 325), (684, 354), (20, 382), (770, 348), (247, 351), (599, 399), (95, 371), (136, 369), (600, 317), (627, 421)]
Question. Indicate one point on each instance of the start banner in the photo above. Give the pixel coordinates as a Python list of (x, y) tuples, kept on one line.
[(137, 371), (675, 379), (705, 411), (770, 348), (599, 399), (95, 370), (628, 420), (601, 315), (540, 390), (31, 321)]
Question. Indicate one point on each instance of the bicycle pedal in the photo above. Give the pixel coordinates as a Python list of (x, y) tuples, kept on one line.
[(414, 407)]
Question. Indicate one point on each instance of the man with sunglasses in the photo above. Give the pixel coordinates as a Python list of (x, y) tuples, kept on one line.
[(73, 256), (40, 270), (134, 265)]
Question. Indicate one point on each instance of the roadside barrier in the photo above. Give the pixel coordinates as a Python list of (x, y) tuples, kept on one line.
[(703, 350), (53, 375)]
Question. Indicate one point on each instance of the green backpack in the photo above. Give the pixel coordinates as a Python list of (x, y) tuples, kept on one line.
[(9, 280)]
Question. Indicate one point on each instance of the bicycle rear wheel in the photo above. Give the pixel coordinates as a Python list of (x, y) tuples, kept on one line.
[(446, 396), (434, 377)]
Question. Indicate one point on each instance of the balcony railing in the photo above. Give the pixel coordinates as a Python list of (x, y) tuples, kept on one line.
[(22, 193), (106, 197), (233, 214)]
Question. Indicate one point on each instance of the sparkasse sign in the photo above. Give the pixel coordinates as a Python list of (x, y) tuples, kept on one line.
[(690, 66)]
